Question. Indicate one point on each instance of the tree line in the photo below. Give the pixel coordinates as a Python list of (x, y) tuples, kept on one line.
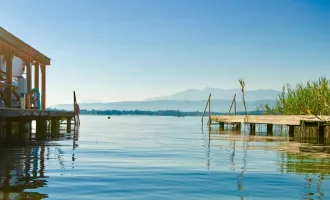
[(175, 113)]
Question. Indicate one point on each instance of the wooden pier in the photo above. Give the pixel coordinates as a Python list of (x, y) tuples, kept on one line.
[(292, 121), (20, 104)]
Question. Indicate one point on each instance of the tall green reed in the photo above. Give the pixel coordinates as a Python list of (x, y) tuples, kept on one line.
[(310, 98)]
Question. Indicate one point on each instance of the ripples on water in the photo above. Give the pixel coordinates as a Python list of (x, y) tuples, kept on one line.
[(161, 158)]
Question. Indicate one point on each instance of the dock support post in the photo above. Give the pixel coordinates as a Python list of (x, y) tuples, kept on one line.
[(24, 128), (9, 129), (55, 126), (41, 129), (68, 125), (252, 129), (291, 131), (2, 134), (238, 126), (222, 126), (269, 129), (321, 134)]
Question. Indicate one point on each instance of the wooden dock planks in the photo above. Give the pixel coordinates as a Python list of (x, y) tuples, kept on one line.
[(32, 113)]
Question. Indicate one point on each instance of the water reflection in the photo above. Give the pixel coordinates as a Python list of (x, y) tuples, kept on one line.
[(22, 168), (310, 160)]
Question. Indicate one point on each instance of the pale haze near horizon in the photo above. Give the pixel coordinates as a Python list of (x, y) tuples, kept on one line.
[(133, 50)]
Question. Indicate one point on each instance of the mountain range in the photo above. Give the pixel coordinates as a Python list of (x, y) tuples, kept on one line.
[(220, 94), (188, 100)]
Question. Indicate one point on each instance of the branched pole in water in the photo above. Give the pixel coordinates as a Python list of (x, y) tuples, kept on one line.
[(242, 83)]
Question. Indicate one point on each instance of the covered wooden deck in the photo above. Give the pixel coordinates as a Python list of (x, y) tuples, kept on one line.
[(13, 49), (11, 46)]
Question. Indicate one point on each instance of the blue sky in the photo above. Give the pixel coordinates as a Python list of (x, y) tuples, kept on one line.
[(125, 50)]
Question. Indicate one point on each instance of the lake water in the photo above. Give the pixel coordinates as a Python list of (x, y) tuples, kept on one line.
[(161, 158)]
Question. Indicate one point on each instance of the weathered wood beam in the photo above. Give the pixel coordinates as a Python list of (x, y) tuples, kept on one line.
[(252, 129), (22, 49), (36, 75), (43, 87), (9, 72), (291, 131), (28, 75), (270, 129)]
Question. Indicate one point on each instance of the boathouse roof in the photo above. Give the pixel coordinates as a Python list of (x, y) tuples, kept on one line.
[(21, 49)]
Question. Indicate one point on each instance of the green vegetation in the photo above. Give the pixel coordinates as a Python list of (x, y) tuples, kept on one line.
[(310, 98)]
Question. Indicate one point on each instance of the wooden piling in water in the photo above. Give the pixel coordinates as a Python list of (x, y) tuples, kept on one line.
[(222, 126), (9, 129), (321, 133), (238, 126), (24, 128), (291, 131), (55, 126), (252, 129), (270, 129), (41, 129), (68, 125)]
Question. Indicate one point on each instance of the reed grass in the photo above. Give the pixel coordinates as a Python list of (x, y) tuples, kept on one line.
[(305, 99)]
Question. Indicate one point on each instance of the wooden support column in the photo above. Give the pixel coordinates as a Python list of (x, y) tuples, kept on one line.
[(68, 125), (24, 130), (321, 134), (43, 87), (252, 129), (270, 129), (36, 75), (291, 131), (41, 129), (222, 126), (9, 76), (28, 75), (238, 126), (55, 126), (9, 129)]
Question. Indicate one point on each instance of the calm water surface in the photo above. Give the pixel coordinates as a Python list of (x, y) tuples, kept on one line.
[(159, 158)]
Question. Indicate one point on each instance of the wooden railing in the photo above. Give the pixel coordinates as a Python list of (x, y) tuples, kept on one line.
[(3, 95)]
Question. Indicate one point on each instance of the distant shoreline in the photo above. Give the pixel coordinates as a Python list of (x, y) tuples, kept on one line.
[(173, 113)]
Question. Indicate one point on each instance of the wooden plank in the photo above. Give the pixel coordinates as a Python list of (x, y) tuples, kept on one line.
[(16, 112), (28, 76), (36, 75), (270, 119), (22, 49), (9, 71)]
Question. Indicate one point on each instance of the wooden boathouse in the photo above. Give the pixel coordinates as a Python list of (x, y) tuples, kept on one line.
[(16, 110)]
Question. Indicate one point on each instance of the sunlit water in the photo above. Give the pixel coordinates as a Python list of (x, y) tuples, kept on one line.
[(159, 158)]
